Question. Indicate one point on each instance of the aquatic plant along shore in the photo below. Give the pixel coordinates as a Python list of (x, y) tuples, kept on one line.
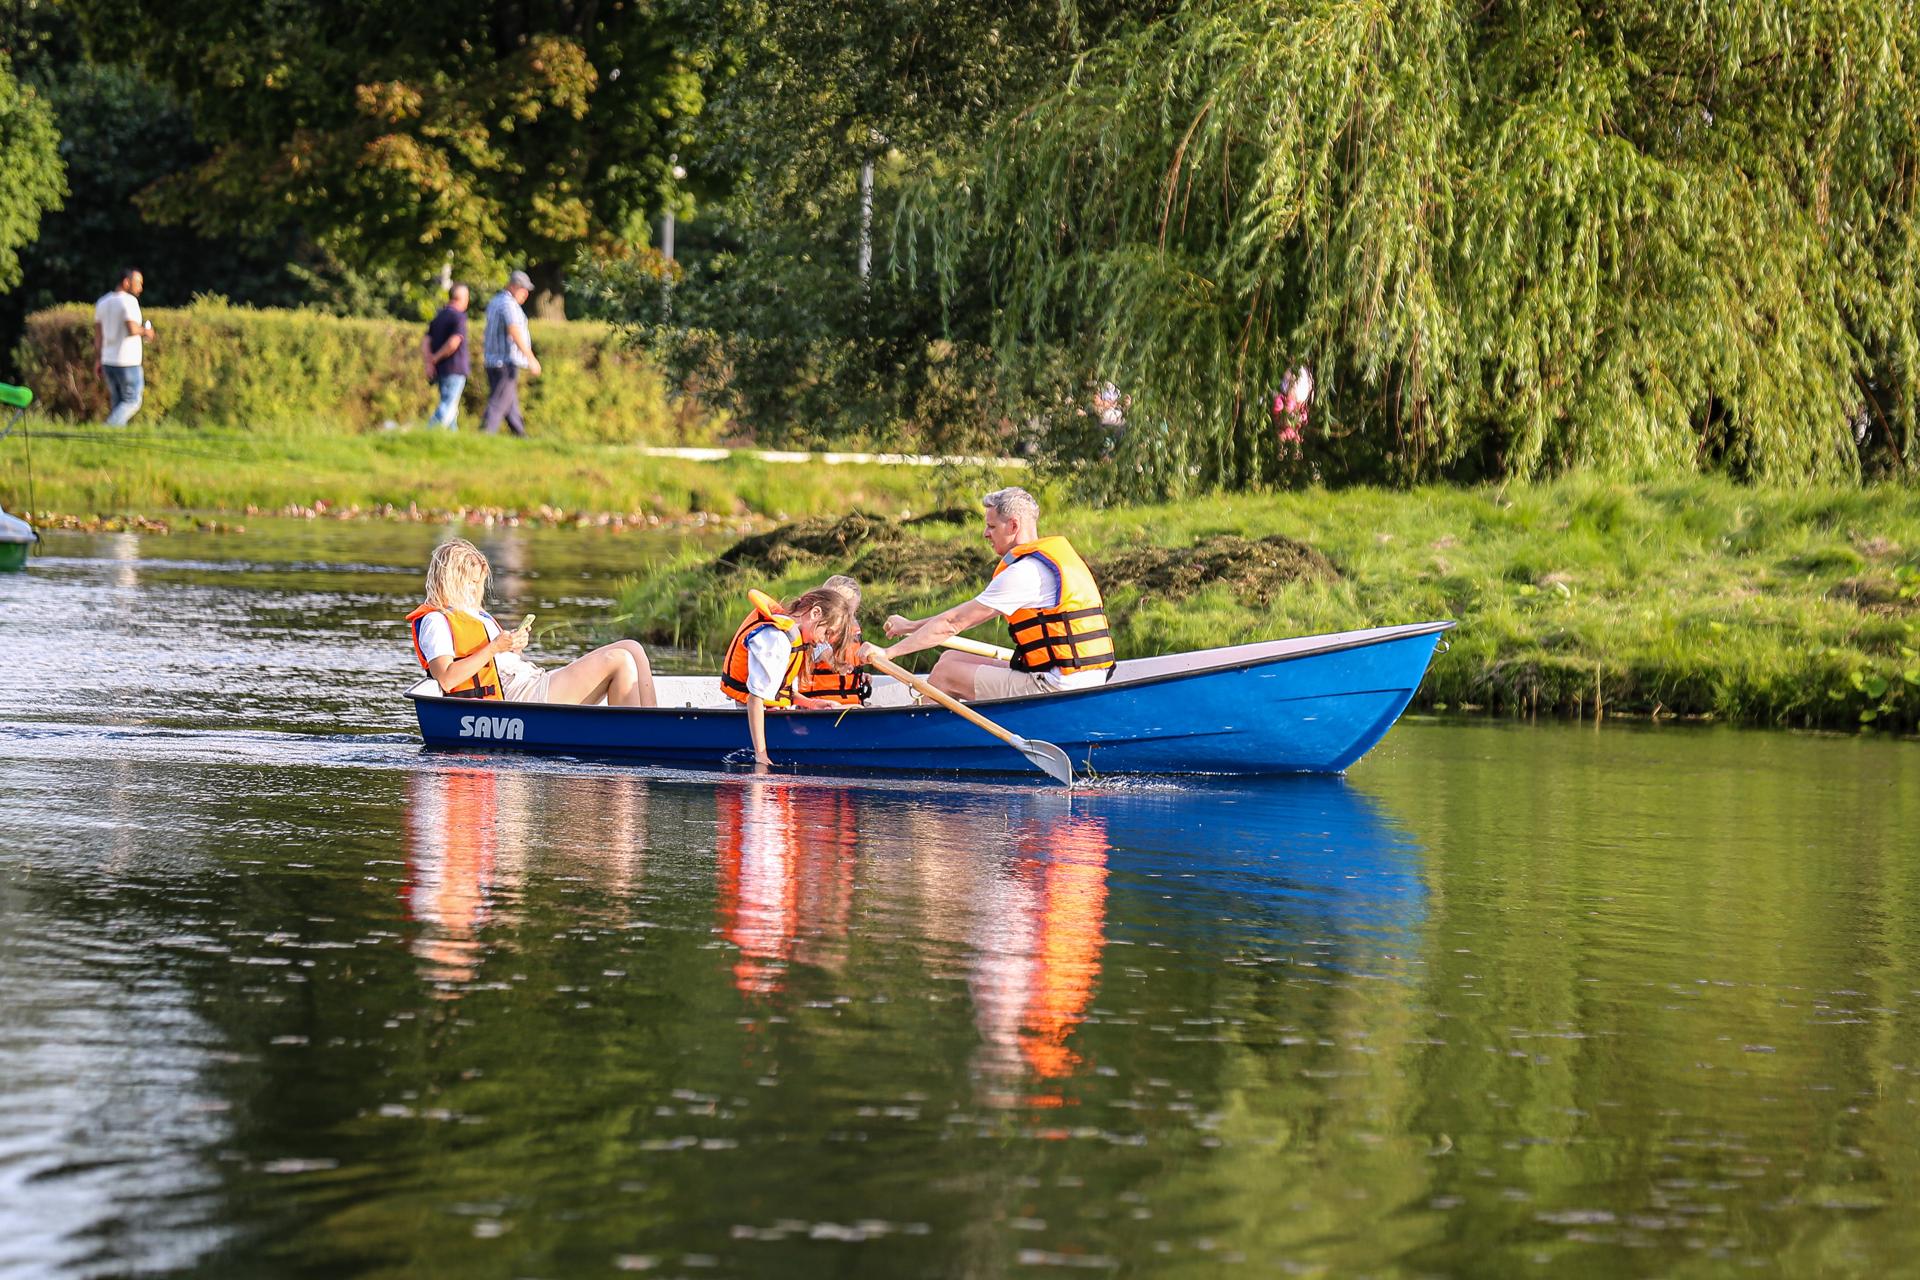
[(91, 474), (1578, 597)]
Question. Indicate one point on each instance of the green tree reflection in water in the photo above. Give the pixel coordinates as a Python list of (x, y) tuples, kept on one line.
[(1629, 1003)]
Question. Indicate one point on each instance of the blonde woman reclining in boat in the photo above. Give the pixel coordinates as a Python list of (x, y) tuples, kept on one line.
[(468, 653)]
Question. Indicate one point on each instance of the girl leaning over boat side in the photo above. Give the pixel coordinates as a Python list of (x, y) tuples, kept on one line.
[(468, 653), (774, 645), (844, 684)]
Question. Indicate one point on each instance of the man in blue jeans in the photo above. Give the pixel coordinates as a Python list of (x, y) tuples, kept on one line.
[(447, 356), (508, 351), (120, 336)]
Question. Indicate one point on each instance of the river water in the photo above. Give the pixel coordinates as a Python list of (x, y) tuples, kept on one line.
[(282, 994)]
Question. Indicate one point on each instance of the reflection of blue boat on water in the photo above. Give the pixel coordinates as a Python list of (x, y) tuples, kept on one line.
[(1288, 856), (1314, 704)]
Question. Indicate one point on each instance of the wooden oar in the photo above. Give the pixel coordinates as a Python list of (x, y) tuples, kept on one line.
[(978, 648), (1046, 757)]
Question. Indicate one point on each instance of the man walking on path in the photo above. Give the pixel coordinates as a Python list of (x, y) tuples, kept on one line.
[(447, 356), (508, 350), (119, 341)]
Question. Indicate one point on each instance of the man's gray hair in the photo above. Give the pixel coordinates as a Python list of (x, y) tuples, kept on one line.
[(1013, 504)]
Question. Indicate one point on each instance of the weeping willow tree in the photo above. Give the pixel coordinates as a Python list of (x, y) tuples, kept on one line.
[(1508, 238), (786, 314)]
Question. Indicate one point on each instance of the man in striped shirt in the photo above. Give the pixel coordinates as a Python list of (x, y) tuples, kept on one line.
[(507, 350)]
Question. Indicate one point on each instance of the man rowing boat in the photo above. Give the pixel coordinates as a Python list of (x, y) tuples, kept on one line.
[(1050, 601)]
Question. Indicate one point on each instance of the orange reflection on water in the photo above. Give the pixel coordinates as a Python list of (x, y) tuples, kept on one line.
[(593, 831), (786, 862), (454, 839), (1072, 867), (1037, 949)]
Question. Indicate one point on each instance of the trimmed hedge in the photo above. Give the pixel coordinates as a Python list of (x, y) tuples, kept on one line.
[(224, 365)]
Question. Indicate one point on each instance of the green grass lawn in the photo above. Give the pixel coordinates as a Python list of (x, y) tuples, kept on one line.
[(172, 467), (1697, 597)]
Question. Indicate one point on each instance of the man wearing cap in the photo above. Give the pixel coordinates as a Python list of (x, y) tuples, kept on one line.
[(507, 350)]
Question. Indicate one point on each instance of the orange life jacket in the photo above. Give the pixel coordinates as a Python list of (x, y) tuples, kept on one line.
[(1072, 635), (469, 634), (733, 672), (848, 688)]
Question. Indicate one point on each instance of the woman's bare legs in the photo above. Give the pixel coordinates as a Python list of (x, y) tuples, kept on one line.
[(643, 694), (618, 672)]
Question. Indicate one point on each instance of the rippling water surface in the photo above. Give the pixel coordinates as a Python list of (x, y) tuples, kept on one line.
[(281, 994)]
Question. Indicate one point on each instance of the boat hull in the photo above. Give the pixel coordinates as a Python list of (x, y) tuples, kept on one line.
[(1315, 707), (13, 555)]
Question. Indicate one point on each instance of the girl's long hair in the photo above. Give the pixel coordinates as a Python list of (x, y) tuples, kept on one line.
[(457, 575), (838, 619)]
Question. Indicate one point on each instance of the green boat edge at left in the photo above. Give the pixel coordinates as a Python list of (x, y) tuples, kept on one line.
[(16, 535)]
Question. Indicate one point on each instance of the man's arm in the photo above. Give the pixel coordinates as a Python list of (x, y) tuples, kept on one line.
[(445, 349), (940, 626), (136, 323), (518, 332)]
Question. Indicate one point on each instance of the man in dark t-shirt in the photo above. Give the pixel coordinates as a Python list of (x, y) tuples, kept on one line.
[(445, 352)]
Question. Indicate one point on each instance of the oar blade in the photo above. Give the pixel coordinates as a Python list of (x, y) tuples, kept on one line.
[(1049, 759)]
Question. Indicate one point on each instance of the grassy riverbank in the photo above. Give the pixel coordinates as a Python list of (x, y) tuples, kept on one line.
[(1696, 598), (169, 467)]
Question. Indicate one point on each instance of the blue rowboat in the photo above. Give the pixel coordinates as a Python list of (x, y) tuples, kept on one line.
[(1314, 704)]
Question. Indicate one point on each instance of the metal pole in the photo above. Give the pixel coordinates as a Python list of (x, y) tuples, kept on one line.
[(668, 224), (866, 220)]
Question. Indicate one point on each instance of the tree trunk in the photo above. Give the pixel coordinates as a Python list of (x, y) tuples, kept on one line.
[(549, 300)]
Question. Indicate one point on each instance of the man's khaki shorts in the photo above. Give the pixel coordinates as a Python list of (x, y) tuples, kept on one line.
[(993, 681)]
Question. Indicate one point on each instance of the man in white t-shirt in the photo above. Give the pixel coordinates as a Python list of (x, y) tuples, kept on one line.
[(1049, 598), (120, 336)]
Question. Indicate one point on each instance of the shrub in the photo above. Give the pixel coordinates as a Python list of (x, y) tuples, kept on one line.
[(223, 365)]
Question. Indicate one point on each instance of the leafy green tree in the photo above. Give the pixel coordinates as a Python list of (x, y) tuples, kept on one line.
[(405, 138), (1508, 238), (32, 175), (120, 134), (802, 309)]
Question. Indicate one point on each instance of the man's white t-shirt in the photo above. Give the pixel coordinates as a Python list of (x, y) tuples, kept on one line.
[(118, 347), (768, 653), (1030, 583)]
